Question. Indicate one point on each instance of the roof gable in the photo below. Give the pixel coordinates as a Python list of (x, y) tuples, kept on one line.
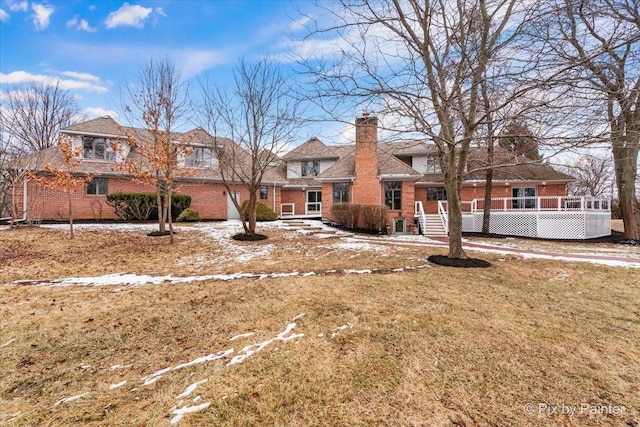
[(313, 149), (102, 125)]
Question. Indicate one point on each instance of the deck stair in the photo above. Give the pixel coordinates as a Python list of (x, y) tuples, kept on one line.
[(432, 226)]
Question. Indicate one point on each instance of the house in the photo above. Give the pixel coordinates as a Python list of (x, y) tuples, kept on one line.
[(528, 198)]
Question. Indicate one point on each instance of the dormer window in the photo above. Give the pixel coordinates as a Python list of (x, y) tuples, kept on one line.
[(433, 165), (98, 148), (201, 157), (310, 168)]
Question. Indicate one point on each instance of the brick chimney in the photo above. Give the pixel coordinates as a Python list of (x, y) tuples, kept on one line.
[(366, 187)]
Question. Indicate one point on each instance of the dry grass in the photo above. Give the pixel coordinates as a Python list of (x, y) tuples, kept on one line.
[(436, 347)]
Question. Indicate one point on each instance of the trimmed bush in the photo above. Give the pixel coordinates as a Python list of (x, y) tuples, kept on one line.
[(363, 217), (143, 206), (263, 212), (189, 215)]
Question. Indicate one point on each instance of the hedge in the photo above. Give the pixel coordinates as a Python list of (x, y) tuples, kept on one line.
[(263, 212), (143, 206), (362, 217)]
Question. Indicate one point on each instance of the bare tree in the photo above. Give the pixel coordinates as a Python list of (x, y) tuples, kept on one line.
[(424, 61), (593, 175), (155, 102), (599, 43), (260, 117), (33, 114)]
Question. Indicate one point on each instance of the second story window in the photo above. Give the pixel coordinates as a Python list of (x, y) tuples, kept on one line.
[(433, 164), (310, 168), (201, 157), (98, 148)]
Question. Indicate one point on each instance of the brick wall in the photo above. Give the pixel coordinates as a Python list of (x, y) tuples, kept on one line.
[(366, 186), (297, 196), (209, 199)]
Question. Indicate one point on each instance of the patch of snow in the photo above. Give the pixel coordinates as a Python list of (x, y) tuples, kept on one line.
[(114, 367), (364, 271), (235, 337), (252, 349), (115, 386), (8, 342), (150, 379), (191, 388), (70, 399), (337, 330), (299, 316), (357, 245), (181, 412)]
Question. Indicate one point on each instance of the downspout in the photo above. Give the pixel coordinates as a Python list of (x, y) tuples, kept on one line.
[(273, 203)]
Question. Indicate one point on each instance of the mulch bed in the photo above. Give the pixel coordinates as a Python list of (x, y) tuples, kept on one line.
[(247, 238), (615, 237), (458, 262)]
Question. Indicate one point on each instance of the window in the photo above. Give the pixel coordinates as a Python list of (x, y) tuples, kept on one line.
[(524, 198), (98, 148), (393, 195), (436, 193), (433, 165), (201, 157), (310, 168), (97, 186), (264, 192), (341, 192)]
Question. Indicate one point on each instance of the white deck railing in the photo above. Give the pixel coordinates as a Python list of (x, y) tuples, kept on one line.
[(287, 209), (543, 217), (544, 203)]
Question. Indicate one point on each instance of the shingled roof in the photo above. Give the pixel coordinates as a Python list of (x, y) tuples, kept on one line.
[(101, 126), (313, 149), (388, 166)]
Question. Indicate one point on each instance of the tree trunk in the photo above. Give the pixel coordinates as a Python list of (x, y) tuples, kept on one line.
[(70, 215), (625, 181), (168, 212), (161, 218), (625, 148), (252, 213), (454, 211), (486, 212)]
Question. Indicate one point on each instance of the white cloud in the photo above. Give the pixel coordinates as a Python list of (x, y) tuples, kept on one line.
[(80, 25), (299, 24), (160, 11), (80, 76), (18, 6), (193, 62), (128, 15), (4, 16), (17, 77), (41, 15), (93, 112)]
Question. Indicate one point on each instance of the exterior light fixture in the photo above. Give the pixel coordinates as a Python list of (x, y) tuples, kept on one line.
[(544, 184)]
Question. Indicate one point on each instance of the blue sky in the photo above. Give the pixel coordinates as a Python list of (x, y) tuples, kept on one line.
[(92, 46)]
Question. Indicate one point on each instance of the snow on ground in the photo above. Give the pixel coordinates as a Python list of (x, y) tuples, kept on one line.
[(70, 399), (181, 412), (8, 342)]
